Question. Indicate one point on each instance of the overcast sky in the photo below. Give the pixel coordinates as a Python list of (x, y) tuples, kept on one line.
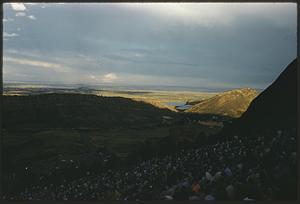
[(183, 44)]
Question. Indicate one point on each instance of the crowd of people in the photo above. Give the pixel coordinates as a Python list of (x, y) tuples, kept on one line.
[(257, 167)]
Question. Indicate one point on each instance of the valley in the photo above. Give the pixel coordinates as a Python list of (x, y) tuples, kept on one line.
[(54, 136)]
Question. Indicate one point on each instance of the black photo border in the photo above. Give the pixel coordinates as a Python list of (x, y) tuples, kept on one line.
[(132, 1)]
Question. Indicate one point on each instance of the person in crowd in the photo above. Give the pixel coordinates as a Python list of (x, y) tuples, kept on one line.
[(243, 168)]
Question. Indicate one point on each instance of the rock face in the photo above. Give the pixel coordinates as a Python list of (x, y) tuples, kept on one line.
[(230, 103), (276, 106)]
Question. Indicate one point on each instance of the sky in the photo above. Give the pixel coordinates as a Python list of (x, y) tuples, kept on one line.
[(212, 45)]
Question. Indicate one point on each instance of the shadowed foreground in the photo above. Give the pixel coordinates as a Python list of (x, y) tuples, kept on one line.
[(246, 161)]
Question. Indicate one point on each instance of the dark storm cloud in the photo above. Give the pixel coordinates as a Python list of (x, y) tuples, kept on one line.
[(229, 44)]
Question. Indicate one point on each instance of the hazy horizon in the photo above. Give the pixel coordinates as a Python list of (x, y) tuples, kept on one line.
[(206, 45)]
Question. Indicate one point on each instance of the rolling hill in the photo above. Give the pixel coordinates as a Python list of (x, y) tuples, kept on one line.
[(78, 110), (230, 103), (275, 107)]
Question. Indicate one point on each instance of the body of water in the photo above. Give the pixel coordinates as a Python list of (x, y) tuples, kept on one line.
[(178, 105)]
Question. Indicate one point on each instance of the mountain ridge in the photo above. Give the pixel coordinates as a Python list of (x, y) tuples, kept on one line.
[(229, 103), (276, 106)]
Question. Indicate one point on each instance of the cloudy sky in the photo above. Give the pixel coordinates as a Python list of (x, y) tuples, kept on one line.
[(184, 44)]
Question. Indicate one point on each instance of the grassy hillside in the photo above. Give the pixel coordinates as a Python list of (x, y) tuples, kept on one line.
[(44, 133), (274, 108), (78, 110), (230, 103)]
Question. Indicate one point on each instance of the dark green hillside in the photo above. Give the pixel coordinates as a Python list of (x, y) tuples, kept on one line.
[(78, 110), (48, 131)]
